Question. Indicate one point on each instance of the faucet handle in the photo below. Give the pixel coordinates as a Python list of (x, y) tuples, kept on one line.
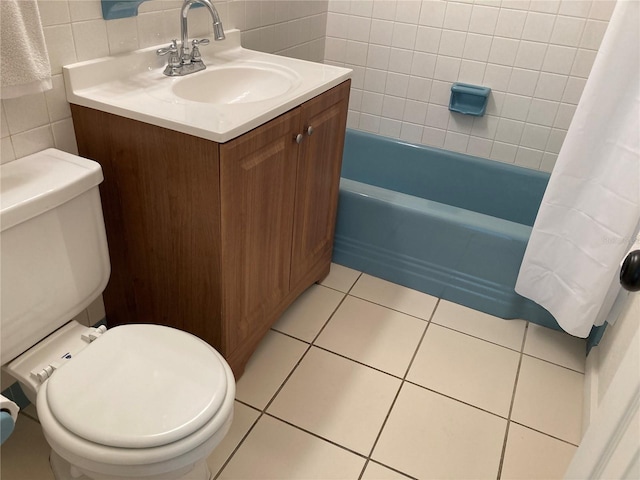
[(173, 48), (195, 51)]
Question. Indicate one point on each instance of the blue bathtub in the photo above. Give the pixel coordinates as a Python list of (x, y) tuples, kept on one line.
[(447, 224)]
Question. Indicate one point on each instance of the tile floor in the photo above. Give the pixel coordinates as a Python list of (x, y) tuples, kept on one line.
[(364, 379)]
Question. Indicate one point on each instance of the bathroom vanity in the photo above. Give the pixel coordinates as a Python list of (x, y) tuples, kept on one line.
[(216, 238)]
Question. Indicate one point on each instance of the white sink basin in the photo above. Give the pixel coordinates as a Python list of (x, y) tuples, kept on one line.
[(239, 90), (229, 85)]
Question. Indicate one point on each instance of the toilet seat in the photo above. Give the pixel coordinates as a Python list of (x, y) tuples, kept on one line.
[(149, 385), (176, 449)]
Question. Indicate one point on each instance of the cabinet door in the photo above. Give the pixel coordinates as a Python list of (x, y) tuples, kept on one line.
[(318, 180), (257, 189)]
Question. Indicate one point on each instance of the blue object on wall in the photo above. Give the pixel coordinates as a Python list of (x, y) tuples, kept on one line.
[(112, 9), (469, 99)]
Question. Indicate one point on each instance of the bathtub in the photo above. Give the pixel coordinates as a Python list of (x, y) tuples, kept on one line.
[(447, 224)]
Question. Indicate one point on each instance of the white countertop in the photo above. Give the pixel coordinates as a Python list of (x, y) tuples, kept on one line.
[(132, 85)]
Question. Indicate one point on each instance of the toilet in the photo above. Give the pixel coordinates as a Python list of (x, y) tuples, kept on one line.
[(136, 401)]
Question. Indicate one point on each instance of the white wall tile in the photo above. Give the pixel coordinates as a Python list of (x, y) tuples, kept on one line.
[(456, 142), (90, 39), (434, 137), (538, 27), (497, 76), (404, 35), (602, 9), (477, 47), (54, 12), (480, 147), (356, 53), (550, 86), (419, 88), (335, 50), (375, 80), (593, 33), (428, 39), (447, 68), (423, 64), (567, 31), (358, 28), (510, 23), (408, 11), (575, 8), (437, 116), (369, 123), (516, 107), (573, 90), (432, 13), (60, 46), (26, 112), (519, 4), (384, 9), (64, 136), (542, 112), (85, 10), (337, 25), (6, 150), (122, 35), (440, 93), (471, 72), (390, 128), (393, 107), (548, 162), (397, 85), (530, 55), (32, 141), (415, 112), (564, 116), (381, 32), (509, 131), (523, 82), (457, 16), (372, 103), (4, 126), (556, 137), (56, 98), (400, 60), (485, 126), (378, 56), (559, 59), (545, 6), (460, 123), (452, 43), (527, 157), (503, 51), (535, 136), (483, 19), (503, 152), (582, 63), (411, 132)]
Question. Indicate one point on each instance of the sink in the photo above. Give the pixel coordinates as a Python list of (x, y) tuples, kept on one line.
[(240, 89), (236, 84)]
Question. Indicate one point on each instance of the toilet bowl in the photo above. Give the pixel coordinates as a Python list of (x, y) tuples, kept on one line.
[(134, 401)]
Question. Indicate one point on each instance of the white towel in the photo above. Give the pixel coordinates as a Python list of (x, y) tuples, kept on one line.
[(25, 67)]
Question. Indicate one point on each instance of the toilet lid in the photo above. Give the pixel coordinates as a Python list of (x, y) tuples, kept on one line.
[(138, 386)]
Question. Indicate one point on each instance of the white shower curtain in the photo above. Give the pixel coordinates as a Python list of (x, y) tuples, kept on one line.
[(590, 213)]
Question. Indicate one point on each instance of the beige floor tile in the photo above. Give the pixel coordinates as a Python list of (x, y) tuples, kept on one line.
[(268, 368), (508, 333), (556, 346), (429, 436), (377, 336), (466, 368), (243, 418), (533, 455), (275, 450), (25, 454), (397, 297), (306, 316), (340, 278), (337, 399), (549, 399), (378, 472)]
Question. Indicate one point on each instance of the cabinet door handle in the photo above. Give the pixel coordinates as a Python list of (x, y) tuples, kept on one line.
[(309, 130), (298, 138)]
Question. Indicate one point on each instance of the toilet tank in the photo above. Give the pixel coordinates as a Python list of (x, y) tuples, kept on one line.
[(53, 249)]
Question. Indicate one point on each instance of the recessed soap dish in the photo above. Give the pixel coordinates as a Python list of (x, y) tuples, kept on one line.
[(469, 99)]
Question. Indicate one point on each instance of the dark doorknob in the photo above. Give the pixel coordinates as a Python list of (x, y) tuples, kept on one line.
[(630, 272)]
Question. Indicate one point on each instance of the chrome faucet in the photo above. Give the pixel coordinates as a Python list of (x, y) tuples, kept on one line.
[(185, 61)]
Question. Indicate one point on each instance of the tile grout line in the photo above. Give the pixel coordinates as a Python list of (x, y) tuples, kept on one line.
[(513, 398), (264, 410), (395, 399)]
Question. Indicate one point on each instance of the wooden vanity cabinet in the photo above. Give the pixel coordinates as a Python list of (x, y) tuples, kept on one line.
[(217, 239)]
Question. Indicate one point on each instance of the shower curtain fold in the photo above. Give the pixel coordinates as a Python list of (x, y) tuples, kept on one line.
[(590, 212)]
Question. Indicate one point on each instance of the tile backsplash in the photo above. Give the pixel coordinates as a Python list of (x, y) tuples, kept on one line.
[(535, 55), (75, 31)]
